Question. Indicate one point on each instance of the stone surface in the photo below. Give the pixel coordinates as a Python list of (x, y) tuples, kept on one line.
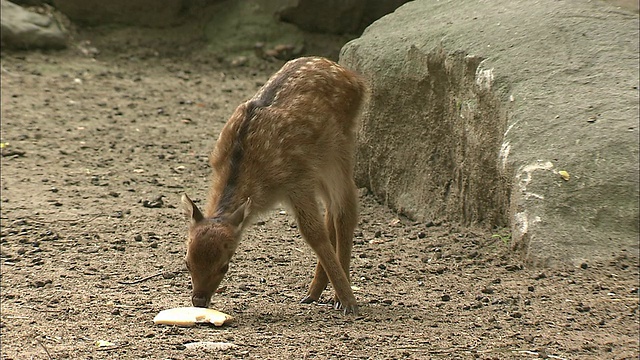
[(337, 16), (449, 137), (132, 12), (236, 27), (23, 29)]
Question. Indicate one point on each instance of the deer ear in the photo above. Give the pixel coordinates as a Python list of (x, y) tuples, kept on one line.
[(191, 211), (241, 214)]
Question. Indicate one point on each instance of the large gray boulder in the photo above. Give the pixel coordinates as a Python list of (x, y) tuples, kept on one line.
[(336, 16), (151, 13), (236, 27), (449, 136), (23, 29)]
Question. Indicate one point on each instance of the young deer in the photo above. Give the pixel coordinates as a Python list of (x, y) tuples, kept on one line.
[(291, 143)]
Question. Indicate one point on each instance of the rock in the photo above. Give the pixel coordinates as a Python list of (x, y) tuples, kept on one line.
[(236, 27), (337, 16), (23, 29), (474, 111), (132, 12), (333, 16)]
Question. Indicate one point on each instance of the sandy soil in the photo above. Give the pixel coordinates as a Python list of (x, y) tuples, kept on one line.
[(95, 156)]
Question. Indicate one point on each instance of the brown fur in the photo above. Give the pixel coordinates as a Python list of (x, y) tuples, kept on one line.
[(292, 142)]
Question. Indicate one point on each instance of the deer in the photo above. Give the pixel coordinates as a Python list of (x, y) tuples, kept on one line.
[(292, 143)]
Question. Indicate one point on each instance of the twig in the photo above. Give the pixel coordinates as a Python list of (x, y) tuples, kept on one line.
[(45, 348), (139, 280), (114, 347), (7, 71), (67, 220), (40, 310), (537, 354)]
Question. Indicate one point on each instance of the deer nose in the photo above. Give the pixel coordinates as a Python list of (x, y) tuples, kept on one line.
[(199, 301)]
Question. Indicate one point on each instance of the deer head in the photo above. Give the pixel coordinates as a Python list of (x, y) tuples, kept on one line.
[(211, 244)]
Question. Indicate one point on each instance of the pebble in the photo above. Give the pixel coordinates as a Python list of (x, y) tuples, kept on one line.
[(540, 276), (41, 283), (512, 267), (488, 290)]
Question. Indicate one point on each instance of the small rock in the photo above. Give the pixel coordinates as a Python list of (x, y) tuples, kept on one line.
[(156, 203), (445, 297), (583, 308), (41, 283), (488, 290), (540, 276), (512, 268), (584, 266), (239, 61), (137, 238), (531, 288)]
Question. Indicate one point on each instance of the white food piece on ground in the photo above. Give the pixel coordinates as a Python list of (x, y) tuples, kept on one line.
[(209, 345), (189, 316)]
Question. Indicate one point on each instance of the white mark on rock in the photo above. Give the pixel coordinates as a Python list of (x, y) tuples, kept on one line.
[(525, 174), (521, 223), (505, 148), (484, 78)]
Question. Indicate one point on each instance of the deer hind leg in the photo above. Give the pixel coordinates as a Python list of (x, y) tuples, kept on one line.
[(320, 278), (345, 219), (316, 235)]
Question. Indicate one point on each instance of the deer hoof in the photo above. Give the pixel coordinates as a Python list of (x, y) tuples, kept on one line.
[(350, 310), (347, 310), (307, 300)]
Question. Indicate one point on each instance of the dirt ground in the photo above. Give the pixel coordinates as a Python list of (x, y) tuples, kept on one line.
[(96, 154)]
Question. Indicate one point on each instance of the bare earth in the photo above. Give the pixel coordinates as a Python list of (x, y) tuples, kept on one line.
[(91, 145)]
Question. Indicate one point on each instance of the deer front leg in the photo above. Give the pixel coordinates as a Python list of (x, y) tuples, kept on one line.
[(316, 235)]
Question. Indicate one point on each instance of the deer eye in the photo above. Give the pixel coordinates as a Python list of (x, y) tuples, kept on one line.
[(224, 269)]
